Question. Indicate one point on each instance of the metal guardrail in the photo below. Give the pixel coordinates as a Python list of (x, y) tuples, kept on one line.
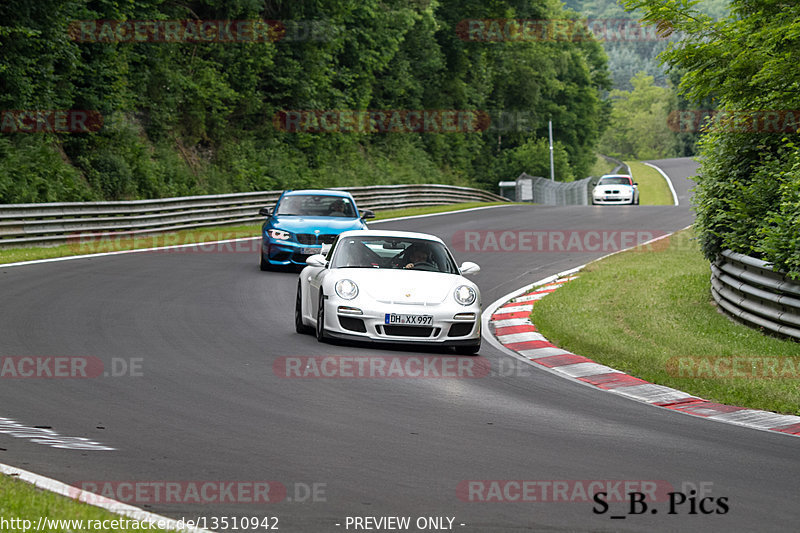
[(56, 223), (621, 167), (548, 192), (749, 290)]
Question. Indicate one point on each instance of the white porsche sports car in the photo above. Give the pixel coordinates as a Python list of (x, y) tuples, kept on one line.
[(390, 286)]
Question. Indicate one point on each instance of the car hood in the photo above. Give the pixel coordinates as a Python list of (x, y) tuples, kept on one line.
[(398, 286), (304, 224)]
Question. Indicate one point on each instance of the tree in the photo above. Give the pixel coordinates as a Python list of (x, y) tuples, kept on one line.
[(639, 124), (747, 196)]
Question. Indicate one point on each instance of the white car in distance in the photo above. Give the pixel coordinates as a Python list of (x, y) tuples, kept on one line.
[(390, 287), (615, 189)]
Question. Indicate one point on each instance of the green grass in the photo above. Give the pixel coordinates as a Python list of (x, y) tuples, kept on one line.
[(21, 500), (15, 255), (638, 311), (602, 166), (653, 189)]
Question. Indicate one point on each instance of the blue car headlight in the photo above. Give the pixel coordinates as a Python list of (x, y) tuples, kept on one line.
[(279, 234)]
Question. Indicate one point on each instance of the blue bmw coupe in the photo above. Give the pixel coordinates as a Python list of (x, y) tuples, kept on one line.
[(302, 221)]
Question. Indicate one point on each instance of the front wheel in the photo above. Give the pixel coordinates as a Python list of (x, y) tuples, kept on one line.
[(321, 318), (298, 312)]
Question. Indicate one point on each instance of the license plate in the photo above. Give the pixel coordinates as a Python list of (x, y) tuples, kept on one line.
[(411, 320), (309, 251)]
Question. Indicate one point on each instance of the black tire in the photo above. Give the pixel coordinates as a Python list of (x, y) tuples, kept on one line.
[(468, 349), (637, 201), (299, 327), (320, 329)]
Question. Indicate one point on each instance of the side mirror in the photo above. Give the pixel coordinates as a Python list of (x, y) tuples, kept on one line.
[(317, 260), (367, 213), (468, 267), (265, 211)]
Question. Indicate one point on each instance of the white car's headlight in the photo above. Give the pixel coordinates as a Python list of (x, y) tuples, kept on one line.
[(465, 295), (346, 289), (279, 234)]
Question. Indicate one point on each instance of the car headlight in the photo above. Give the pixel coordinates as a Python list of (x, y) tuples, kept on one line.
[(279, 234), (465, 295), (346, 289)]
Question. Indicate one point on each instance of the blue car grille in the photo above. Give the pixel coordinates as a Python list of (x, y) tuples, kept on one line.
[(310, 238), (306, 238)]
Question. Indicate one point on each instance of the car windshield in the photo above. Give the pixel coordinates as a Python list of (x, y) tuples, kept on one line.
[(316, 205), (393, 253), (615, 181)]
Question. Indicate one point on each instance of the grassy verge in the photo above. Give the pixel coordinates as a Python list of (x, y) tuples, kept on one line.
[(23, 501), (189, 236), (602, 166), (653, 190), (649, 313)]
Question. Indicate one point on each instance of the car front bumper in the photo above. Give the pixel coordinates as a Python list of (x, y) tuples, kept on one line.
[(452, 325), (287, 253), (612, 199)]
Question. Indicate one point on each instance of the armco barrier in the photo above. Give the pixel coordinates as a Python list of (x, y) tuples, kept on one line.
[(55, 223), (749, 290)]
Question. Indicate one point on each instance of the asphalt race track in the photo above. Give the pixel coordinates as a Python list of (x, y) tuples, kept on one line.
[(204, 404)]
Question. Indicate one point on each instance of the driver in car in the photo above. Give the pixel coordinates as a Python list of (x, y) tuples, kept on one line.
[(415, 255), (337, 209)]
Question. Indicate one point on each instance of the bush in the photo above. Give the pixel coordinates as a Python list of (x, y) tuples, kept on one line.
[(747, 198), (33, 170)]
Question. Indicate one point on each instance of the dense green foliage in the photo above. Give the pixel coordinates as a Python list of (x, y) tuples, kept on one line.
[(748, 193), (648, 130), (196, 117), (639, 124), (628, 57)]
